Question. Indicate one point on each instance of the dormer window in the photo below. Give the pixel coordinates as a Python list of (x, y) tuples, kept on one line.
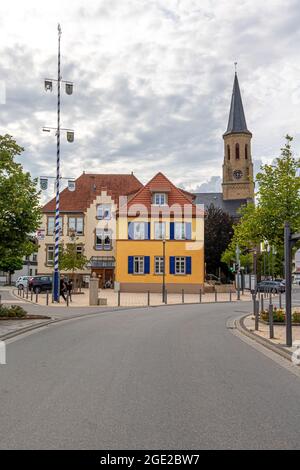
[(104, 212), (160, 199)]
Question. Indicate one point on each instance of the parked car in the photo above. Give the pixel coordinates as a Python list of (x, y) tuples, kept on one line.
[(40, 283), (296, 279), (22, 282), (273, 286)]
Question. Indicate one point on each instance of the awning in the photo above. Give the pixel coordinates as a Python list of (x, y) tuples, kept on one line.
[(102, 262)]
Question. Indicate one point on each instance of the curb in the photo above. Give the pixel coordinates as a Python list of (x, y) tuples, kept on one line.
[(240, 326)]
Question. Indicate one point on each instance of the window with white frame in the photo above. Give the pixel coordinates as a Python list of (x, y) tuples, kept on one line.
[(159, 230), (179, 231), (79, 250), (104, 212), (75, 225), (50, 255), (138, 265), (180, 265), (160, 199), (51, 225), (139, 231), (103, 239), (159, 264)]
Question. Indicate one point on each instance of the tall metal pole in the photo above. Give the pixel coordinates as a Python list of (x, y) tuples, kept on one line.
[(238, 287), (288, 283), (57, 227), (164, 273)]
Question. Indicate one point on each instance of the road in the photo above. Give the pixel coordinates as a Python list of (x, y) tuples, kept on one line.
[(157, 378)]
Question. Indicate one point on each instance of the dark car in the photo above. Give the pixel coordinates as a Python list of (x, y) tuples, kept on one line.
[(271, 286), (40, 283)]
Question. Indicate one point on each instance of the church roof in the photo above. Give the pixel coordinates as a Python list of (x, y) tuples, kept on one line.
[(237, 120), (229, 206)]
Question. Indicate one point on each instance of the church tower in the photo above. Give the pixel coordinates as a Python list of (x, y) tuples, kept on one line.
[(237, 167)]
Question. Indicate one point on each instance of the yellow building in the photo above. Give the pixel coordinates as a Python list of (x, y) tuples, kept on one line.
[(160, 240)]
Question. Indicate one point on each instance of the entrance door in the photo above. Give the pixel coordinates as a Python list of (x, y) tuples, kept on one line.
[(104, 275)]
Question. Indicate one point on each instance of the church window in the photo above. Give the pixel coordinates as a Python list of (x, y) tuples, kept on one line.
[(246, 152), (237, 151), (228, 152)]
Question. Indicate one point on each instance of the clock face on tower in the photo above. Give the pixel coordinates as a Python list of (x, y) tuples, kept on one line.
[(237, 174)]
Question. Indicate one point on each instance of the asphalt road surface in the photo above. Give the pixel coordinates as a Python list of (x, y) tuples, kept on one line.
[(157, 378)]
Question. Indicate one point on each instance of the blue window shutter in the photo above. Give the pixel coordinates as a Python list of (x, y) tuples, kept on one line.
[(172, 264), (130, 264), (147, 265), (188, 265), (172, 230), (188, 231), (130, 231)]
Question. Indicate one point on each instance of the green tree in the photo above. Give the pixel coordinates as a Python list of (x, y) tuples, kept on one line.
[(70, 259), (218, 232), (19, 205), (277, 201)]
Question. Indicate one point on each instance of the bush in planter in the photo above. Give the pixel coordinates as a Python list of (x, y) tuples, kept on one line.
[(4, 311), (12, 311), (296, 317), (278, 315)]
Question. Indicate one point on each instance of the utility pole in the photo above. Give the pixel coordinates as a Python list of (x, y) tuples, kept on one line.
[(289, 241), (237, 256), (164, 272), (70, 138)]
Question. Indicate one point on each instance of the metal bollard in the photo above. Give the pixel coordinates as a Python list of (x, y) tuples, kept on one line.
[(23, 293), (31, 295), (68, 298), (166, 296), (280, 300), (256, 314), (216, 296), (0, 299), (230, 296), (261, 302), (148, 299), (36, 297), (182, 295), (271, 325), (47, 298), (119, 299), (27, 293), (200, 296)]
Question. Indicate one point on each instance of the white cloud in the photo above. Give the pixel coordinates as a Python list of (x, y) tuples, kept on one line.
[(153, 81)]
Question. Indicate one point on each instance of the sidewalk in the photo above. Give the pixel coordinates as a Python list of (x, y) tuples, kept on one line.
[(278, 343), (132, 299)]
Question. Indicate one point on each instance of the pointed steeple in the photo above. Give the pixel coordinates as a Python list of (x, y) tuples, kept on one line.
[(236, 121)]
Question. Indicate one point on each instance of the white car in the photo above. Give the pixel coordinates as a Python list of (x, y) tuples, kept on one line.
[(22, 282)]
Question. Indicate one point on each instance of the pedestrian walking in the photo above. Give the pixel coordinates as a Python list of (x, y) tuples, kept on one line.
[(63, 288)]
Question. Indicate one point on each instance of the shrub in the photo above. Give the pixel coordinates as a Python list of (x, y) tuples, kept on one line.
[(12, 311), (296, 317)]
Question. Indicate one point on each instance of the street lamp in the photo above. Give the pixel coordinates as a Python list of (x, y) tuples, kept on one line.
[(164, 272), (70, 138)]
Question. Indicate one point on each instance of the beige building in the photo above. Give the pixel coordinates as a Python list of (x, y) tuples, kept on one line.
[(89, 214)]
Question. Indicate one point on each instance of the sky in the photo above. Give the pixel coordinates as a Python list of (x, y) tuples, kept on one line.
[(152, 83)]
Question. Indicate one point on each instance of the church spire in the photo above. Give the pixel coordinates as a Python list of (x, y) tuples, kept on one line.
[(236, 121)]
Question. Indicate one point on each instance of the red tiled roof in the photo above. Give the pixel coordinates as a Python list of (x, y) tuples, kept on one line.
[(160, 182), (89, 186)]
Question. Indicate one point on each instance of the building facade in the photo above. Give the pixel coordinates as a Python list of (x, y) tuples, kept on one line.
[(161, 241), (87, 217)]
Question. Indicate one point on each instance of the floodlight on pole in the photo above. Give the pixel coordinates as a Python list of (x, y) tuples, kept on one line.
[(48, 83)]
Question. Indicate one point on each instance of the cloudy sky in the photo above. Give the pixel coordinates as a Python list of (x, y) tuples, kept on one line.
[(153, 81)]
